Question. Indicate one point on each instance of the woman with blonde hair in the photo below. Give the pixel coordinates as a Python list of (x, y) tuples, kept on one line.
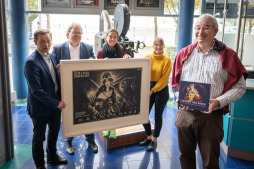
[(161, 67)]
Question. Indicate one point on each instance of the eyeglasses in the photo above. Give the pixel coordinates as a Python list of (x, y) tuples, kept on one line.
[(77, 33), (205, 28)]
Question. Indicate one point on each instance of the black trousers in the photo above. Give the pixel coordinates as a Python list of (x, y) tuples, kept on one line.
[(39, 130), (205, 130), (89, 138), (160, 100)]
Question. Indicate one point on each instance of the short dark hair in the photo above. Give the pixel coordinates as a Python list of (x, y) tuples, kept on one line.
[(41, 32), (105, 76)]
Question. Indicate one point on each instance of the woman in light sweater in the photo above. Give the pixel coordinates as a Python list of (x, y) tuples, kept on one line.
[(161, 67)]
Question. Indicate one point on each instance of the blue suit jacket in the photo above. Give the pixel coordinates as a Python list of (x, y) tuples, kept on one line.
[(62, 52), (41, 100)]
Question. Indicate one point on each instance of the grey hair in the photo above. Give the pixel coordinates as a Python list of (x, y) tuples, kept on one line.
[(208, 17)]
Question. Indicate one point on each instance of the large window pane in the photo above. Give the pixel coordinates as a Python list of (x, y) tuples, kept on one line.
[(144, 29), (58, 23), (33, 5), (171, 7), (248, 50)]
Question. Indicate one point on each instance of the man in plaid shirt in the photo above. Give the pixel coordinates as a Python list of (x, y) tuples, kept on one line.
[(206, 61)]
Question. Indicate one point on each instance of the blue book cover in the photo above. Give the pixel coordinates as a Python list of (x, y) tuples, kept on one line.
[(194, 95)]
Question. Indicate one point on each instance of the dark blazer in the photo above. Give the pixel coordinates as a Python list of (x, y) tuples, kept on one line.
[(62, 52), (41, 100)]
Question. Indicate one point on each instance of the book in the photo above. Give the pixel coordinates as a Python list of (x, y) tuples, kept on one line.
[(194, 95)]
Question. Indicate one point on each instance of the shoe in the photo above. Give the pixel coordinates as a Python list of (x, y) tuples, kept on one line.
[(152, 146), (112, 133), (106, 133), (145, 142), (69, 148), (57, 160), (41, 167), (93, 146)]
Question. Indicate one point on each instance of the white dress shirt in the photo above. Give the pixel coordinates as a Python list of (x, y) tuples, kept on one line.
[(50, 67), (74, 52)]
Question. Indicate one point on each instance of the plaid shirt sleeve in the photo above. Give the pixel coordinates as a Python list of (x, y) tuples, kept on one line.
[(233, 94)]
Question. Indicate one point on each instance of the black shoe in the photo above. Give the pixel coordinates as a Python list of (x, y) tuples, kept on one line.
[(93, 146), (152, 146), (145, 142), (41, 167), (57, 160), (69, 148)]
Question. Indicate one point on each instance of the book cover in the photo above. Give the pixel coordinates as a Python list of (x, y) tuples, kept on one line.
[(194, 95)]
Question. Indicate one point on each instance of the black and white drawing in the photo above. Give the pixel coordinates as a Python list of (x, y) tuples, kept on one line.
[(105, 94)]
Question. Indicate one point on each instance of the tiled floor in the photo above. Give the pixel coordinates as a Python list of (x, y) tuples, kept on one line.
[(127, 157)]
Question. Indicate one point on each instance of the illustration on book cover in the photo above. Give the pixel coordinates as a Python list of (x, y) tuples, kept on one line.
[(194, 95), (106, 94)]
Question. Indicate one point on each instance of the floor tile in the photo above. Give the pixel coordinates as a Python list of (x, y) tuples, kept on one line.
[(22, 153), (246, 163), (144, 164), (165, 164), (126, 157)]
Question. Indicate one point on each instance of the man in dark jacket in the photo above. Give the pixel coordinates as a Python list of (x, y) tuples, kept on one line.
[(44, 101), (71, 50)]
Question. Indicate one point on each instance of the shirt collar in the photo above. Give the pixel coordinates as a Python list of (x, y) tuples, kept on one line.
[(198, 49), (71, 47), (43, 54)]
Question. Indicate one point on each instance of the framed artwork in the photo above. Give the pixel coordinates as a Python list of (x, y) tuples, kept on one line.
[(80, 3), (114, 3), (148, 3), (56, 3), (104, 94)]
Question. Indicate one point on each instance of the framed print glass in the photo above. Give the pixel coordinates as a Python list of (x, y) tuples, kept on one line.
[(148, 3), (80, 3), (104, 94), (56, 3), (114, 3)]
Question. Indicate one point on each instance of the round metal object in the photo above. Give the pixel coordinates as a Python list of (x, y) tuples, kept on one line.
[(122, 19)]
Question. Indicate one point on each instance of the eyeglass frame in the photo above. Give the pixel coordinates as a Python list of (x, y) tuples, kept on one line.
[(76, 33), (205, 28)]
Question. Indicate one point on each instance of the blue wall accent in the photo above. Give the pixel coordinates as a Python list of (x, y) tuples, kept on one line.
[(226, 120), (185, 25), (19, 46), (241, 130)]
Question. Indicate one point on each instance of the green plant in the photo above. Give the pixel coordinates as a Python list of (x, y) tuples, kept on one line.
[(171, 51)]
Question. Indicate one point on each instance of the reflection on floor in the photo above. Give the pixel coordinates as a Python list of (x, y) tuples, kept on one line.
[(126, 157)]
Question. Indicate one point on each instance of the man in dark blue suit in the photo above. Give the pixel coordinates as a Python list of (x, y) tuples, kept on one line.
[(74, 49), (44, 101)]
